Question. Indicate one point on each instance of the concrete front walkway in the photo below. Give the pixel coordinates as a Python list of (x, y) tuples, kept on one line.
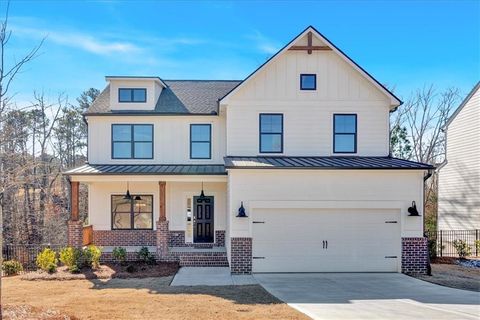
[(210, 276), (370, 296)]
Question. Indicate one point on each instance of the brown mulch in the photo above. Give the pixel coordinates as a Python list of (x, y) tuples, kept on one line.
[(454, 276), (108, 271), (24, 311), (147, 298)]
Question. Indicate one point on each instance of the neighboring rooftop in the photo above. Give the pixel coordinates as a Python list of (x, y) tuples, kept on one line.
[(282, 162), (179, 97)]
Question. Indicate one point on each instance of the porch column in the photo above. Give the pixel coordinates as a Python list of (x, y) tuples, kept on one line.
[(75, 227), (162, 223)]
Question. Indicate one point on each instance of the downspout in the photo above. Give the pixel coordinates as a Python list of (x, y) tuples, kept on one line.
[(86, 123)]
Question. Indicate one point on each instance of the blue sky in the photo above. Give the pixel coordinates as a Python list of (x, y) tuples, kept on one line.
[(404, 44)]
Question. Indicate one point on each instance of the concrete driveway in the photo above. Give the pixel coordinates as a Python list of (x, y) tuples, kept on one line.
[(370, 296)]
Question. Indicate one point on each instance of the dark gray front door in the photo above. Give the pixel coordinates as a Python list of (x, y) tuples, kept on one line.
[(203, 230)]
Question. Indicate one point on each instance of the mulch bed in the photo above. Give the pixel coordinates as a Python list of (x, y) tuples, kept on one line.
[(109, 271), (17, 312)]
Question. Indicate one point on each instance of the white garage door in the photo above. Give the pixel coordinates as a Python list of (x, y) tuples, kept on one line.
[(326, 240)]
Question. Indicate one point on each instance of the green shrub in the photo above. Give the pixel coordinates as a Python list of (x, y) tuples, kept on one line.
[(144, 255), (131, 269), (74, 269), (119, 254), (477, 246), (92, 256), (47, 260), (463, 249), (11, 267), (71, 257)]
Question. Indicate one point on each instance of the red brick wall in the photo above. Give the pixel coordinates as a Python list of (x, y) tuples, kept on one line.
[(241, 255), (176, 238), (123, 238), (162, 238), (414, 255), (75, 233)]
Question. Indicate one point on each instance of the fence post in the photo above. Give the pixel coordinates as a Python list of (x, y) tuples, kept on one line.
[(476, 239), (441, 244)]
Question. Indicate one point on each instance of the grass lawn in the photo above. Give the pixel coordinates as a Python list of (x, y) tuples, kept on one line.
[(147, 298)]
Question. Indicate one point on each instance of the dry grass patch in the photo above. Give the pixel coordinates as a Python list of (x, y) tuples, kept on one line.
[(148, 298), (22, 312)]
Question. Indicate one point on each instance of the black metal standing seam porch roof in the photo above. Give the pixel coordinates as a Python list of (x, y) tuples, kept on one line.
[(326, 163), (129, 169)]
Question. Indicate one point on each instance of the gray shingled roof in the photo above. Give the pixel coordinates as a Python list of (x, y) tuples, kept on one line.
[(129, 169), (180, 97), (281, 162)]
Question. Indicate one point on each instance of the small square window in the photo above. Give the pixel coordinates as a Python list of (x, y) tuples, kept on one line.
[(308, 82)]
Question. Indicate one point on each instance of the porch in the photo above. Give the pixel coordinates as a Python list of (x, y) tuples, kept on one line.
[(177, 217)]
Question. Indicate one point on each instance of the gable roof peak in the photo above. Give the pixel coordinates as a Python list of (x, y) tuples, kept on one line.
[(394, 100)]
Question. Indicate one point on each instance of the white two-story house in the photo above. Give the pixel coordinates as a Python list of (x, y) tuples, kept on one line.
[(288, 170)]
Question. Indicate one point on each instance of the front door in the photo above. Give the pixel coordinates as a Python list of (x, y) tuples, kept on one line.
[(203, 220)]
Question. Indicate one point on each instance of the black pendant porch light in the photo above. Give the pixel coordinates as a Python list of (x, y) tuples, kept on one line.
[(127, 195), (202, 194)]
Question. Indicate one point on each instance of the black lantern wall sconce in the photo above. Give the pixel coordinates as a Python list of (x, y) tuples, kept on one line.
[(241, 212), (413, 212)]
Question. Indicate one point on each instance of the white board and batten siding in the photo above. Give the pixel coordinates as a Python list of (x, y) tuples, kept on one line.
[(459, 179), (308, 115), (350, 209), (171, 139)]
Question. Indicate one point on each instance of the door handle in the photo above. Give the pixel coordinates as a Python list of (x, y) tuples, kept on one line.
[(323, 242), (326, 244)]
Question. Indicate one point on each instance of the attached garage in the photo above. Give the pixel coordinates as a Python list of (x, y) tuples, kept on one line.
[(326, 240)]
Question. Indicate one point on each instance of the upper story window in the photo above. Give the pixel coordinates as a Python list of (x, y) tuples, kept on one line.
[(132, 95), (345, 133), (308, 82), (271, 133), (200, 141), (132, 141), (134, 213)]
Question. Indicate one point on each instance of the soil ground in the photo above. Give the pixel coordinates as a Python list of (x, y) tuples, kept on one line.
[(454, 276), (147, 298)]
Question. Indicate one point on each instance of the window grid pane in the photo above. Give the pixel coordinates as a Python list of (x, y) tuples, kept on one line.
[(345, 133), (132, 141), (200, 141), (271, 133), (308, 82), (131, 213)]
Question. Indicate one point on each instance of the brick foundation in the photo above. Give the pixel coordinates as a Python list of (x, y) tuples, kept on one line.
[(162, 239), (124, 238), (177, 239), (75, 233), (241, 255), (414, 255)]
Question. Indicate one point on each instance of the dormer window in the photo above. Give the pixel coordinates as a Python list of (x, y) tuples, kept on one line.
[(308, 82), (132, 95)]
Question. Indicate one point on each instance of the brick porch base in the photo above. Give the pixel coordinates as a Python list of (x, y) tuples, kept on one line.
[(414, 255)]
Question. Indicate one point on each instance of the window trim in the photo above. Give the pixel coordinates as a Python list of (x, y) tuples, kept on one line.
[(209, 142), (315, 81), (132, 95), (260, 132), (132, 222), (132, 141), (355, 134)]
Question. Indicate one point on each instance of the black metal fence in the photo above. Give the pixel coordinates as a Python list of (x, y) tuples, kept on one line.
[(26, 254), (442, 241)]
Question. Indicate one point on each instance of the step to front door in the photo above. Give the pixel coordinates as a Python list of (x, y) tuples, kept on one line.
[(192, 257)]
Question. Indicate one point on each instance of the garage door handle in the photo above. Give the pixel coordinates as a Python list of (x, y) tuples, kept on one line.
[(390, 257), (326, 244), (258, 221), (390, 221), (323, 244), (258, 257)]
